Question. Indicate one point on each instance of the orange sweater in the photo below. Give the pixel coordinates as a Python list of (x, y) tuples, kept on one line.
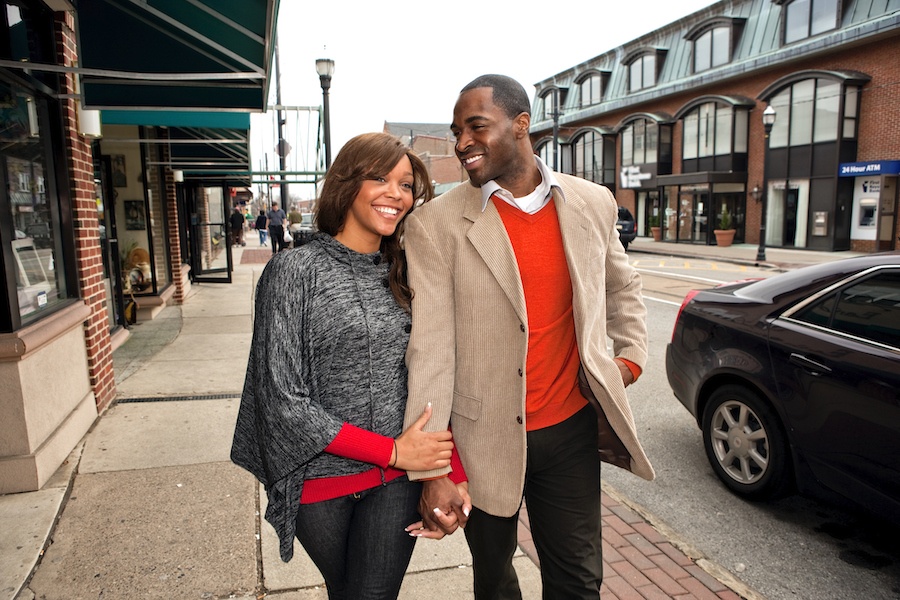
[(551, 366)]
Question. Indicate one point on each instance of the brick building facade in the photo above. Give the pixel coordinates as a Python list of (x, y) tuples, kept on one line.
[(72, 192), (672, 122)]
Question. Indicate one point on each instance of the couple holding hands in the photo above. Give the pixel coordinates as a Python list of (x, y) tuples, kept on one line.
[(426, 365)]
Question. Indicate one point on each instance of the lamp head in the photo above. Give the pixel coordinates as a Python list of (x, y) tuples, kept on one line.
[(769, 116), (325, 67)]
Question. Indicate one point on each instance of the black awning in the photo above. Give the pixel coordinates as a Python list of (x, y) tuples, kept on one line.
[(167, 55)]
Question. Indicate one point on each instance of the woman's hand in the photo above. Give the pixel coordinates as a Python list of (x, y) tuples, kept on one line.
[(417, 450)]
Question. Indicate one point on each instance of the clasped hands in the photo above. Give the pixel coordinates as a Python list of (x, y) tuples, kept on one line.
[(444, 505)]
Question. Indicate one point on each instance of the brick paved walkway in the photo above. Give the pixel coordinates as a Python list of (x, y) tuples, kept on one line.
[(640, 563), (256, 256)]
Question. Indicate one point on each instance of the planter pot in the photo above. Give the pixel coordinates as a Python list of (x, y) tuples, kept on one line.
[(657, 233), (724, 237)]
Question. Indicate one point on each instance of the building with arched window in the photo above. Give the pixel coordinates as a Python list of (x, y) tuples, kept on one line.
[(672, 123)]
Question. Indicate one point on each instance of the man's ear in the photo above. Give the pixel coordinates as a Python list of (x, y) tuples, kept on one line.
[(522, 123)]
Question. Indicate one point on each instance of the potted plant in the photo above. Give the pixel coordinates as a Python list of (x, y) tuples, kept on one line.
[(725, 232), (655, 229)]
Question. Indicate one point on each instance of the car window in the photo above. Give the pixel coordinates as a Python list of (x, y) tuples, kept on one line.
[(868, 309)]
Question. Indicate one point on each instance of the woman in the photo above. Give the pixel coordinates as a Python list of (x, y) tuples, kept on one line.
[(322, 409), (262, 226)]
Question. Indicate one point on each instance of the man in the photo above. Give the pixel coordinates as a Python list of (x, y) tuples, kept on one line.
[(237, 227), (277, 219), (518, 280)]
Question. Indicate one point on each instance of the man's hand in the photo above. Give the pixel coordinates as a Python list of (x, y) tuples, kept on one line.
[(627, 375), (444, 507)]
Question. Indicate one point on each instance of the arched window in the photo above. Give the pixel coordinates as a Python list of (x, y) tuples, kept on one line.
[(587, 151), (809, 113), (714, 136), (640, 142)]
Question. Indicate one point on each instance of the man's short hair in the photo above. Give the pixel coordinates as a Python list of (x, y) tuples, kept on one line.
[(508, 93)]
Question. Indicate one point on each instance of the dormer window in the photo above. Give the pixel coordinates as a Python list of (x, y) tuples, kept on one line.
[(552, 100), (642, 73), (591, 89), (806, 18), (643, 68), (713, 42)]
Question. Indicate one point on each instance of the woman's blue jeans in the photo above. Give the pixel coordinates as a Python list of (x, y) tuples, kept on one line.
[(358, 542)]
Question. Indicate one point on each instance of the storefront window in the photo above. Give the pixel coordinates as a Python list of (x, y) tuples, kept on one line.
[(30, 201), (139, 204)]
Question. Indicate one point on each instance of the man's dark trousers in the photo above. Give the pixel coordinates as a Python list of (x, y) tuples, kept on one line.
[(562, 493)]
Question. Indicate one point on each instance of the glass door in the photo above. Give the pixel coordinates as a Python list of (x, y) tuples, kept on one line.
[(109, 244), (211, 260)]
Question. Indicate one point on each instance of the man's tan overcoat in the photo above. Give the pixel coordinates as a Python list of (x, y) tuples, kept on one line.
[(470, 330)]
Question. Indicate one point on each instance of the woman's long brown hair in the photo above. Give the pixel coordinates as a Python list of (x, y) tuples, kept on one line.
[(369, 156)]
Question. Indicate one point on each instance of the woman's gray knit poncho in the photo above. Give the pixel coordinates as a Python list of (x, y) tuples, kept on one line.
[(328, 347)]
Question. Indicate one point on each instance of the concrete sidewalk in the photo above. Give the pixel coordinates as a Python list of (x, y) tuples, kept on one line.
[(149, 505)]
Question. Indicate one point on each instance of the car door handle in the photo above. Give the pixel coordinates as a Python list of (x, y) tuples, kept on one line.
[(809, 365)]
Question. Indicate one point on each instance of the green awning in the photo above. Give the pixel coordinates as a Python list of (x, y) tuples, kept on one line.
[(176, 55), (211, 120)]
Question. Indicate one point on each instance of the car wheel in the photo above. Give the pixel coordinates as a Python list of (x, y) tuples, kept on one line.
[(745, 444), (625, 245)]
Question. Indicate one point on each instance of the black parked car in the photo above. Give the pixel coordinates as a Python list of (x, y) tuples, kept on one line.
[(626, 227), (795, 380)]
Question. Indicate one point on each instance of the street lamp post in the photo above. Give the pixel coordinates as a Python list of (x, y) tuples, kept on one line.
[(768, 120), (556, 129), (325, 69), (280, 148)]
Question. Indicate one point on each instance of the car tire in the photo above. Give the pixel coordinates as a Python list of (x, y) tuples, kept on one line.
[(625, 245), (745, 444)]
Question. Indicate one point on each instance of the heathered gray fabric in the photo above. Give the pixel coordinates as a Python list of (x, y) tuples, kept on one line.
[(328, 347)]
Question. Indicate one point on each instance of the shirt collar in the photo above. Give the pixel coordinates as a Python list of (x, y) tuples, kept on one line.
[(548, 179)]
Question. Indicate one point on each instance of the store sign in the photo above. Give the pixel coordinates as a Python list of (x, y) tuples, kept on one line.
[(879, 167), (633, 177)]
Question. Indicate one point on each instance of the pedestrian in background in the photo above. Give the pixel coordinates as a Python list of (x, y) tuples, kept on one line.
[(262, 226), (237, 227), (519, 278), (277, 219), (322, 409)]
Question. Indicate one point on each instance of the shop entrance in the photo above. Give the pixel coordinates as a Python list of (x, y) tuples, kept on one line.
[(210, 249), (693, 224)]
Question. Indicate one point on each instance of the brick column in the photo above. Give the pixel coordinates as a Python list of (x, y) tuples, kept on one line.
[(88, 257), (180, 270)]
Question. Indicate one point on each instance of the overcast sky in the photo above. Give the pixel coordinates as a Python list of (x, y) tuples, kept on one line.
[(406, 60)]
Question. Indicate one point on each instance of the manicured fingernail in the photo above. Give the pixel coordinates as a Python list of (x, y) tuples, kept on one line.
[(466, 511), (429, 405), (437, 511)]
